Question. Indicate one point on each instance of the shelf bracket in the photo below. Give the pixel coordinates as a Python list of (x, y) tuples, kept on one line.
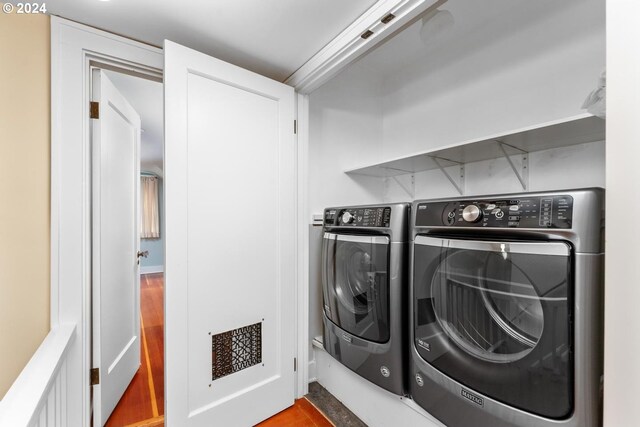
[(523, 173), (459, 186), (410, 191)]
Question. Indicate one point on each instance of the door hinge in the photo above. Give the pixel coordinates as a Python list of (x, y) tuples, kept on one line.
[(94, 374), (94, 110), (295, 364), (295, 126)]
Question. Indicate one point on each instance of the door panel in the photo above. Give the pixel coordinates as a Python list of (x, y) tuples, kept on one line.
[(230, 242), (116, 280)]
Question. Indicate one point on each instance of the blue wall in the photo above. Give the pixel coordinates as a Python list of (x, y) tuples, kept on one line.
[(155, 246)]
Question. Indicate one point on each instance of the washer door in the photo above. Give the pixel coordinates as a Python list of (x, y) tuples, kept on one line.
[(495, 316), (356, 284)]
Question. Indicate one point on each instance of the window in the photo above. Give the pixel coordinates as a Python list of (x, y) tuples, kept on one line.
[(150, 219)]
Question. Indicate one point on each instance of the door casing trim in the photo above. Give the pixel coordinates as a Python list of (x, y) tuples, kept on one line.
[(74, 49)]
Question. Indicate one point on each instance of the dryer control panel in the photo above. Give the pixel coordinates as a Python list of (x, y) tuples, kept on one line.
[(525, 212), (358, 217)]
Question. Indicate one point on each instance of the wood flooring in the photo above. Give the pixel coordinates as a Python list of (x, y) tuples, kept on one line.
[(142, 404), (302, 413)]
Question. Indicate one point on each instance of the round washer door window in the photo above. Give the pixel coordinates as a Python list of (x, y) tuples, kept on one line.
[(356, 284), (487, 305)]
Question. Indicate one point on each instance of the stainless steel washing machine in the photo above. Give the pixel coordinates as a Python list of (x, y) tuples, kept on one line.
[(365, 287), (507, 307)]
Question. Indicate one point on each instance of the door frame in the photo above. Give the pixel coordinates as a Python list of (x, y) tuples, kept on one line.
[(74, 49)]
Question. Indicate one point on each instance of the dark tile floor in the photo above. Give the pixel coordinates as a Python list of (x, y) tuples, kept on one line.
[(339, 414)]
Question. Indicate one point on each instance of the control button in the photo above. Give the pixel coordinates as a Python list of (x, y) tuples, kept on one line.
[(499, 214), (513, 223), (471, 213), (491, 207), (347, 218), (514, 207), (514, 218), (451, 217)]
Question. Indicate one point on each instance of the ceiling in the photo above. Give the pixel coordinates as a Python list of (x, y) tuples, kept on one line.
[(273, 38), (146, 97)]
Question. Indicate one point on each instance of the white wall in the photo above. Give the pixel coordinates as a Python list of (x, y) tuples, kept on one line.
[(622, 269), (577, 166), (345, 126), (506, 64), (528, 63)]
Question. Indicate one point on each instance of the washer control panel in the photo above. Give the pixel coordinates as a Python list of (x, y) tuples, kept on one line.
[(525, 212), (358, 217)]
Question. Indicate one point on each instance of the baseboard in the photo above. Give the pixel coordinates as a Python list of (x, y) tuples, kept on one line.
[(152, 269)]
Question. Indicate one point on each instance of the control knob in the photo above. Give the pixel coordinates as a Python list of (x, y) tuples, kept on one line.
[(471, 213), (347, 218)]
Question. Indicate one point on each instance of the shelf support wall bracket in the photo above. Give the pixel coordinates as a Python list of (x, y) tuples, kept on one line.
[(410, 191), (458, 186), (523, 173)]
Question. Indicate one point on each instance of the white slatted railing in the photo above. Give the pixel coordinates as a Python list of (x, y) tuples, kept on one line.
[(38, 397)]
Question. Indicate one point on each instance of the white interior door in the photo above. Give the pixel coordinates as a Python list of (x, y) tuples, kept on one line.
[(116, 241), (230, 242)]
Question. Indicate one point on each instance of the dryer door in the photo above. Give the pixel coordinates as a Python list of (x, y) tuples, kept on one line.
[(356, 284), (496, 317)]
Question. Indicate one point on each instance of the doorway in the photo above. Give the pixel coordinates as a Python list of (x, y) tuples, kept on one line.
[(252, 164), (135, 397)]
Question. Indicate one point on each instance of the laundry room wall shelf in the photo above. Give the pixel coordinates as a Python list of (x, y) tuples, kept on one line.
[(574, 130)]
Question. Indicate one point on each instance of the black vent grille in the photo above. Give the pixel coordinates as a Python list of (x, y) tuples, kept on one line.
[(235, 350)]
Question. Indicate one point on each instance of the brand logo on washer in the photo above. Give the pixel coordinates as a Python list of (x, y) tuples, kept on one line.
[(385, 371), (421, 207), (472, 397), (424, 345), (419, 380), (346, 337)]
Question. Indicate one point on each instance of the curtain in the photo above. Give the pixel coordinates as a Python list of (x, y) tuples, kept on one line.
[(150, 221)]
